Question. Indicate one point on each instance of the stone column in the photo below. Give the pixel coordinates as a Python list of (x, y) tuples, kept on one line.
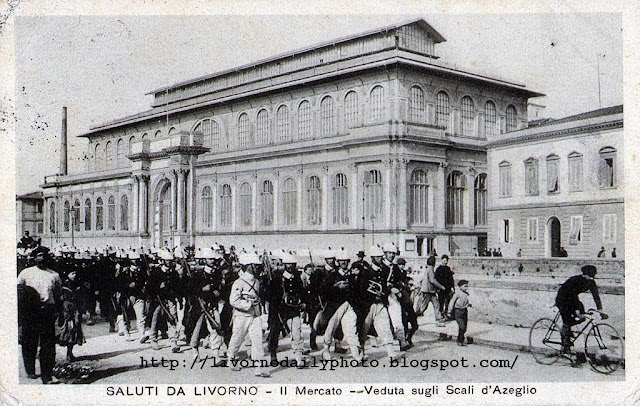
[(174, 198), (276, 199), (386, 192), (469, 213), (301, 187), (403, 203), (325, 197), (234, 202), (254, 201), (439, 209), (135, 206), (144, 203), (355, 198), (182, 174)]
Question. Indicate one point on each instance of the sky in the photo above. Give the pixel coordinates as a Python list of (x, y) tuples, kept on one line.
[(101, 67)]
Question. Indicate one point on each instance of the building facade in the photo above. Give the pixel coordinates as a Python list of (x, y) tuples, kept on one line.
[(559, 186), (369, 138), (30, 214)]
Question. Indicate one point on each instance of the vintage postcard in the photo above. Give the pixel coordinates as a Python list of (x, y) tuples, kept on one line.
[(215, 204)]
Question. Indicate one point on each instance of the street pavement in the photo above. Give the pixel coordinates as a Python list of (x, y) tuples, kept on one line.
[(498, 354)]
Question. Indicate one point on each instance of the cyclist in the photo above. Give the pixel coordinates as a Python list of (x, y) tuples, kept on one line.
[(571, 309)]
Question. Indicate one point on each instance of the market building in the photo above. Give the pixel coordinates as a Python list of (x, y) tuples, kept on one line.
[(368, 138)]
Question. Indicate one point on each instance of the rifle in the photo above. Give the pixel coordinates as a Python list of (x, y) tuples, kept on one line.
[(267, 265)]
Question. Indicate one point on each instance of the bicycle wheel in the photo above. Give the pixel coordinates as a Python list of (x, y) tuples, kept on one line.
[(604, 348), (545, 342)]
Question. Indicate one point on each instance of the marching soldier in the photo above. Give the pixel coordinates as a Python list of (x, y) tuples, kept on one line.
[(397, 281), (162, 280), (130, 281)]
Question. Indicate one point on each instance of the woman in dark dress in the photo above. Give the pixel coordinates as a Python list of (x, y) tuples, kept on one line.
[(70, 323)]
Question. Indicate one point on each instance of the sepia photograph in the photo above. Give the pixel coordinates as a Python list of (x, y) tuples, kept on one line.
[(303, 207)]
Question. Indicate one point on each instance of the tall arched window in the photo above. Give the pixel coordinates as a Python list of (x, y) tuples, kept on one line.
[(289, 202), (124, 213), (99, 157), (145, 136), (87, 215), (351, 109), (120, 153), (376, 101), (157, 134), (111, 213), (246, 202), (373, 194), (75, 215), (490, 119), (266, 203), (416, 105), (66, 215), (442, 110), (455, 198), (340, 200), (132, 139), (244, 134), (468, 117), (262, 128), (52, 217), (326, 117), (172, 131), (304, 120), (110, 158), (99, 214), (225, 205), (210, 131), (607, 167), (282, 119), (206, 201), (505, 179), (480, 191), (314, 201), (512, 118), (419, 197)]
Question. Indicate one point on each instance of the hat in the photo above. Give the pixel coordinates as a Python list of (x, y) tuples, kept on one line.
[(389, 247), (205, 253), (401, 261), (133, 255), (329, 254), (287, 258), (463, 282), (445, 256), (342, 256), (178, 254), (40, 250), (360, 254), (589, 270), (165, 254), (248, 259), (375, 251)]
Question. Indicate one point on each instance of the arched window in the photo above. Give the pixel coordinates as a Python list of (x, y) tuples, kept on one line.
[(124, 213), (419, 197), (132, 139), (442, 110), (607, 167), (490, 119), (121, 153), (145, 136), (246, 202), (66, 214), (206, 202), (172, 131), (52, 217), (416, 105), (75, 215), (99, 157), (314, 201), (110, 158), (289, 202), (376, 101), (512, 118), (351, 109), (266, 203), (87, 215), (467, 117), (244, 135), (480, 191), (225, 205), (373, 194), (99, 214), (553, 172), (210, 131), (304, 120), (157, 134), (282, 118), (505, 179), (455, 198), (262, 128), (111, 213), (326, 117), (340, 200)]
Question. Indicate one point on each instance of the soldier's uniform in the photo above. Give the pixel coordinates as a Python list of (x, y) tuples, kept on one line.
[(396, 280)]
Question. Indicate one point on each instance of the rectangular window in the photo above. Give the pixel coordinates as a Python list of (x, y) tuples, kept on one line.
[(531, 177), (607, 170), (532, 230), (575, 234), (552, 175), (609, 228), (505, 180), (575, 173), (40, 227), (507, 231)]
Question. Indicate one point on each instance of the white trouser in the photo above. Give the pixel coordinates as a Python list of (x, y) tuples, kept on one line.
[(395, 313), (347, 318), (241, 326), (296, 335), (379, 316)]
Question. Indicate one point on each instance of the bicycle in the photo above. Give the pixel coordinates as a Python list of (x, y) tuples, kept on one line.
[(603, 345)]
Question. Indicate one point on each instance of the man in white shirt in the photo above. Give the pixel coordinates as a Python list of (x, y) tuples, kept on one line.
[(39, 325)]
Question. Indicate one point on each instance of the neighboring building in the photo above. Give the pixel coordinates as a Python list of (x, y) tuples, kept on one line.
[(559, 184), (29, 211), (360, 139)]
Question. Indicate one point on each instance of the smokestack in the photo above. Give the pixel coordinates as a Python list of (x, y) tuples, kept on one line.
[(63, 143)]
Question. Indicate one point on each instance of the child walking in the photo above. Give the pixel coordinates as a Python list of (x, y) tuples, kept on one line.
[(458, 307)]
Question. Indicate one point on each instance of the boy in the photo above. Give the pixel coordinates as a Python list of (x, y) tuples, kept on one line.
[(458, 306)]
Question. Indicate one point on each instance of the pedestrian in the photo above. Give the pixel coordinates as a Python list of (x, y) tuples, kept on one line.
[(602, 253), (458, 308), (614, 254), (444, 276), (38, 328), (429, 289), (70, 323)]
